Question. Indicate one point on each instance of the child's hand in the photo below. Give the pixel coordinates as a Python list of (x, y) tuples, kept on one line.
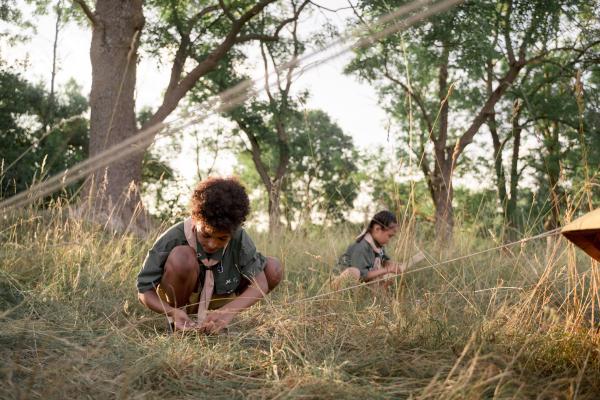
[(416, 258), (396, 268), (216, 320), (182, 320)]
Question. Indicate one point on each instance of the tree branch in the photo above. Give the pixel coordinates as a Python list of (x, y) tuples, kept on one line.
[(255, 150), (172, 97), (266, 69), (526, 39), (227, 11), (409, 91), (293, 65), (580, 51), (505, 82), (509, 49), (412, 94), (86, 10), (275, 36), (444, 92), (178, 62), (202, 13), (331, 9)]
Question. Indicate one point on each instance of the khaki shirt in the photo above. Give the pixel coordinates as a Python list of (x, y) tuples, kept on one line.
[(361, 255), (239, 260)]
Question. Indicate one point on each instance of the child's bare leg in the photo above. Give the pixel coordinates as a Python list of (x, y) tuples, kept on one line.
[(385, 283), (181, 276), (273, 272), (349, 274)]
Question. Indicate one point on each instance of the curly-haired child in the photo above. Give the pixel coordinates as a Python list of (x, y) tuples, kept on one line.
[(207, 264)]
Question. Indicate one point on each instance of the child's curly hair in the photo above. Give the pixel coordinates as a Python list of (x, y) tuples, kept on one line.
[(221, 203)]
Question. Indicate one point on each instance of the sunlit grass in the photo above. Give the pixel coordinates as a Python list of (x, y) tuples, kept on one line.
[(514, 323)]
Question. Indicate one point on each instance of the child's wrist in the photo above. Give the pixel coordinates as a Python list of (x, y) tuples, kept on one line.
[(173, 311)]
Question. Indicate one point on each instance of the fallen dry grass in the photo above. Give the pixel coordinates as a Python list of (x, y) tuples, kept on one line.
[(516, 323)]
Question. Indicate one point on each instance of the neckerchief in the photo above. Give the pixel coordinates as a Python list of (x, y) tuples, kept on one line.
[(378, 250), (189, 228)]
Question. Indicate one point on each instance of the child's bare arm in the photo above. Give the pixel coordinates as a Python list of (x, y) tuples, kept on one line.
[(151, 300), (376, 273), (218, 319), (398, 268)]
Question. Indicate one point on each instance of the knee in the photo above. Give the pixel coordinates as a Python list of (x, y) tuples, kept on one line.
[(351, 272), (181, 262), (273, 272)]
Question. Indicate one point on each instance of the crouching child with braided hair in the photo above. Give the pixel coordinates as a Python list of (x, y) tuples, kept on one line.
[(365, 259), (207, 265)]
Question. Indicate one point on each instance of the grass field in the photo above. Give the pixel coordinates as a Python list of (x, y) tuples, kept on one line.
[(516, 323)]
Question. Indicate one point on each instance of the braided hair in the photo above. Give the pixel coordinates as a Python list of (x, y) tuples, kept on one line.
[(384, 219)]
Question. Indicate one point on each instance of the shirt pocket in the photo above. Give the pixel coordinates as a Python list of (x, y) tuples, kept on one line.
[(226, 284)]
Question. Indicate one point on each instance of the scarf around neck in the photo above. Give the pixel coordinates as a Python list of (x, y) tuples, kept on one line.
[(190, 231), (377, 249)]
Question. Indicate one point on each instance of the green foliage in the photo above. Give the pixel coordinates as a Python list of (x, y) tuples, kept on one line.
[(9, 12), (555, 39), (322, 179), (31, 150), (65, 11), (172, 25), (159, 180), (323, 174)]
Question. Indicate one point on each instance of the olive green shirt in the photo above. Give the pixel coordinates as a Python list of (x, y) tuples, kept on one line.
[(362, 256), (239, 260)]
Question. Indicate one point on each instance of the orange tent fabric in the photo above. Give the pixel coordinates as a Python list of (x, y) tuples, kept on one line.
[(585, 233)]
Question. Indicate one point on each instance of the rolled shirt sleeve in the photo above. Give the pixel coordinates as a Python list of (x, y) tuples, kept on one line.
[(252, 262), (360, 259), (153, 268)]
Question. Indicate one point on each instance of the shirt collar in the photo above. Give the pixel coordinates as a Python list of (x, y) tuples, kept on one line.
[(369, 239)]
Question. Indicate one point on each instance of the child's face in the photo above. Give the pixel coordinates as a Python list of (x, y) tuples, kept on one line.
[(211, 239), (383, 235)]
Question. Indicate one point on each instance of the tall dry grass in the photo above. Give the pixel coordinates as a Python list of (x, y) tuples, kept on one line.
[(514, 323)]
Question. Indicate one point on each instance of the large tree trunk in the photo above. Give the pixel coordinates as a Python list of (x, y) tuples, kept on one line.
[(444, 213), (114, 189), (498, 167), (511, 206), (274, 206), (443, 168), (552, 166), (498, 145), (273, 186)]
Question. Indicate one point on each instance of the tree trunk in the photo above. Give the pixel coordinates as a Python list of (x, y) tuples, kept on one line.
[(49, 115), (498, 167), (498, 147), (115, 38), (511, 206), (444, 213), (443, 168), (552, 165), (274, 207)]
